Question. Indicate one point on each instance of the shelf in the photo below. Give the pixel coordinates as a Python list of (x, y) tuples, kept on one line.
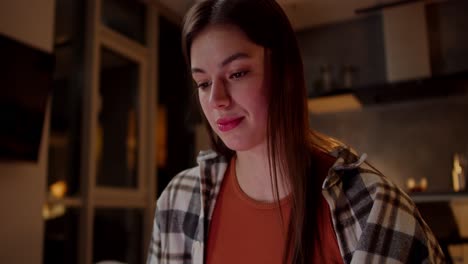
[(67, 201), (414, 90), (58, 140), (404, 91), (333, 103), (439, 197)]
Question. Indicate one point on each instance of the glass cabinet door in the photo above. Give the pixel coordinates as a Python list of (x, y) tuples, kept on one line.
[(100, 195), (118, 122), (127, 17), (118, 235), (66, 113)]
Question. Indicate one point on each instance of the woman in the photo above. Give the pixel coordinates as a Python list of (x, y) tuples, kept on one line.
[(273, 191)]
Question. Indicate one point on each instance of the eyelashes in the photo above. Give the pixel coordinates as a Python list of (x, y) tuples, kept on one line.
[(203, 85), (238, 75), (234, 76)]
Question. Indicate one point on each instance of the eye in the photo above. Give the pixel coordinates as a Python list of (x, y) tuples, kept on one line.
[(203, 85), (238, 75)]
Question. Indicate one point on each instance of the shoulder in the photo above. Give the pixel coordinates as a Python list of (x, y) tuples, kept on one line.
[(179, 200), (183, 193), (354, 176), (359, 184), (183, 186)]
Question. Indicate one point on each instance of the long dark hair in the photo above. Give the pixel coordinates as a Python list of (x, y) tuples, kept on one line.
[(289, 138)]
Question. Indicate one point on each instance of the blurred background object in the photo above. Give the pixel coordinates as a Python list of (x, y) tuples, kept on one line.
[(118, 115), (459, 172), (23, 101)]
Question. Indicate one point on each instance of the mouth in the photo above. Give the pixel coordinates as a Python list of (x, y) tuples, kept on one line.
[(226, 124)]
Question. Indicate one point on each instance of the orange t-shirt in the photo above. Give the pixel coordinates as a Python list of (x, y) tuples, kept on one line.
[(244, 230)]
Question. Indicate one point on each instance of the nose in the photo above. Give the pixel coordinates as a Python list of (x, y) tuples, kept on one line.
[(219, 96)]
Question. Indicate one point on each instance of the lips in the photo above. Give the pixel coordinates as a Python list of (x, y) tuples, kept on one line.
[(226, 124)]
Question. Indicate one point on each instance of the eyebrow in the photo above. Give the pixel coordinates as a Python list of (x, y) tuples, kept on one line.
[(233, 57)]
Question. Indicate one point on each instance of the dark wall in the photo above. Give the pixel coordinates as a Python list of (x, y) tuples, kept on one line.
[(412, 139), (448, 36), (176, 94), (357, 42)]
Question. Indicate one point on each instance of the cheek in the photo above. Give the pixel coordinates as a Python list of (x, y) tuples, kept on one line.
[(204, 105), (258, 101), (261, 108)]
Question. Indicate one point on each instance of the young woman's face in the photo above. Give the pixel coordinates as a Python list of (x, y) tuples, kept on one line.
[(229, 72)]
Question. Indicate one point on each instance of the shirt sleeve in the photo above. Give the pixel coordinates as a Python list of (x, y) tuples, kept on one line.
[(393, 231), (154, 250)]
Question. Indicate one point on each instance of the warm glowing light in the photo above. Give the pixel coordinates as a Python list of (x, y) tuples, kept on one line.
[(457, 170), (58, 189), (410, 184)]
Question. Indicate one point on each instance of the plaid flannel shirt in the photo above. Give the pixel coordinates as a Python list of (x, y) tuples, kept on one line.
[(374, 221)]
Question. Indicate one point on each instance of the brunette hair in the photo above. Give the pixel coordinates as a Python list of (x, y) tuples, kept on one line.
[(289, 138)]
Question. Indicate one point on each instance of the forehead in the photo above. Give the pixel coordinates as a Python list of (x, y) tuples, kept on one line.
[(213, 44)]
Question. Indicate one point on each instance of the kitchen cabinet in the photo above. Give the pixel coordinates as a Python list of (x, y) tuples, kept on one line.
[(409, 52)]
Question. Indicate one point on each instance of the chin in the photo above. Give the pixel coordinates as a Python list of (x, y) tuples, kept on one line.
[(240, 145), (235, 147)]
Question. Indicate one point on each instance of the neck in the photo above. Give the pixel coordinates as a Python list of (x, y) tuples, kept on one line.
[(254, 177)]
